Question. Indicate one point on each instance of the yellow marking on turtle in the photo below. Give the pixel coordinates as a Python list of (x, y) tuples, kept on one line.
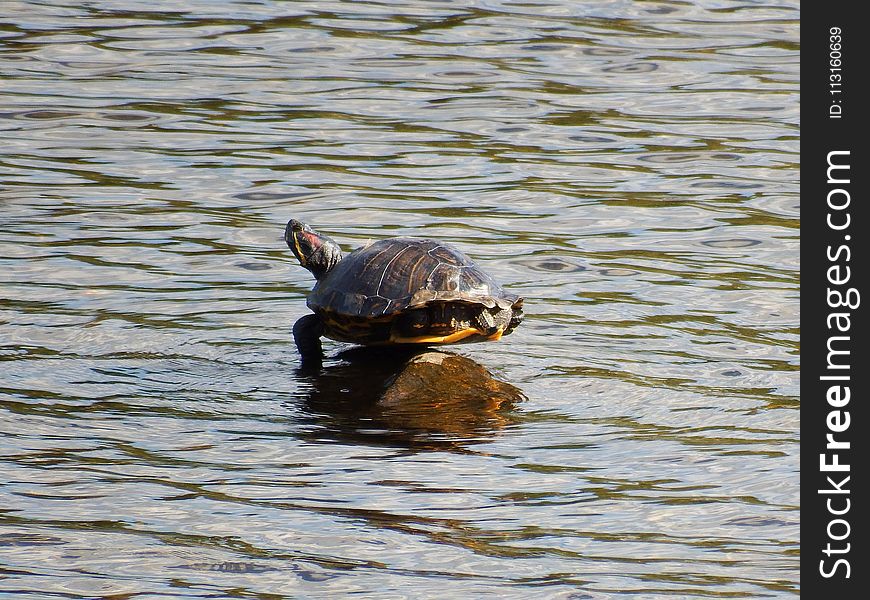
[(496, 336), (299, 254), (436, 339)]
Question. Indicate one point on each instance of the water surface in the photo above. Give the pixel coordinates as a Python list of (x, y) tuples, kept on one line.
[(630, 168)]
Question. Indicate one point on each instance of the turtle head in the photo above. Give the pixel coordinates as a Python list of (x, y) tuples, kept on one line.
[(316, 252)]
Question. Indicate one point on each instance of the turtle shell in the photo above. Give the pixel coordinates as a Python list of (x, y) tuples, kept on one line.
[(390, 276)]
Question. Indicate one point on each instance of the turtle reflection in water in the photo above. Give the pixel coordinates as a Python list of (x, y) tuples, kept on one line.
[(397, 291)]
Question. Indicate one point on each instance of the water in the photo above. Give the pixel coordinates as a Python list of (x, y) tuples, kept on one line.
[(630, 168)]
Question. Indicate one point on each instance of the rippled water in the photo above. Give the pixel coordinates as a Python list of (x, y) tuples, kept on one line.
[(630, 168)]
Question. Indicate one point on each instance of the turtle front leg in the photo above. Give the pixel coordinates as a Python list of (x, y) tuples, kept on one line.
[(306, 333)]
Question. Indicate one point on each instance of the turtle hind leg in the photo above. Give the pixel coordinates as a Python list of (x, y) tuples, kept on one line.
[(493, 323), (516, 317), (306, 333)]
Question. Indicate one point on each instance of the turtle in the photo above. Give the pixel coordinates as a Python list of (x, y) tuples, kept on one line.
[(397, 291)]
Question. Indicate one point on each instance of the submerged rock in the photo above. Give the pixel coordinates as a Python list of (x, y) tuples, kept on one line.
[(398, 394), (442, 376), (446, 392)]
